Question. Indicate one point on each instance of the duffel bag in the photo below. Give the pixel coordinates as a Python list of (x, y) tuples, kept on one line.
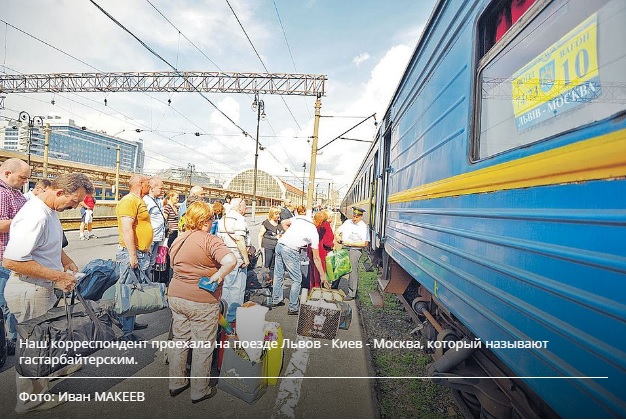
[(135, 296), (99, 276), (85, 322), (139, 298)]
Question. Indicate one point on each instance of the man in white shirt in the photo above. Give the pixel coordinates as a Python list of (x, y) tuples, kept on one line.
[(354, 236), (233, 230), (157, 219), (299, 232), (38, 265)]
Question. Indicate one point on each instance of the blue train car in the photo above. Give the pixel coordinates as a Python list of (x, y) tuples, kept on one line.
[(496, 191)]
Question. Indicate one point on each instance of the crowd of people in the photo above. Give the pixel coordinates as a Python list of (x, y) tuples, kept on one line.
[(203, 241)]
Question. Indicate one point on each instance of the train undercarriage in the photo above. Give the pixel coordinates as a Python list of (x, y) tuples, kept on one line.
[(481, 384)]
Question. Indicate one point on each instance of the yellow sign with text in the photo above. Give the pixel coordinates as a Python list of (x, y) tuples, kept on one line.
[(568, 69)]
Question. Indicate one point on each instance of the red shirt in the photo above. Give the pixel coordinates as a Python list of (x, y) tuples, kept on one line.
[(11, 201), (90, 202)]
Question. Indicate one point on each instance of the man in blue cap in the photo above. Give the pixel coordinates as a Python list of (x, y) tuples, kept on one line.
[(354, 235)]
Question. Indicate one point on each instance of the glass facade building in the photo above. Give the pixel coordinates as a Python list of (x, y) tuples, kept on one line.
[(72, 143)]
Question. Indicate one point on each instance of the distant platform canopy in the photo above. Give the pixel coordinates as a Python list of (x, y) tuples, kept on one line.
[(267, 186)]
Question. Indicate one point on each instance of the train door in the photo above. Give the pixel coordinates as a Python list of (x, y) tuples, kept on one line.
[(373, 171), (383, 179)]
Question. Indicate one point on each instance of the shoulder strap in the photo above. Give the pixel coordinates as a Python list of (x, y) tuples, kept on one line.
[(160, 209)]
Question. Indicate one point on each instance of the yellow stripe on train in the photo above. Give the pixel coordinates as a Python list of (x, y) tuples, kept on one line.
[(602, 157)]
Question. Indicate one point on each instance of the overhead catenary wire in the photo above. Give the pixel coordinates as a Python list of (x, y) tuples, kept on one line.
[(282, 27), (146, 128), (129, 119), (260, 59), (146, 46)]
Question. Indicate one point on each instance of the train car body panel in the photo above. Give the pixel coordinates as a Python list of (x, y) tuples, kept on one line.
[(521, 241)]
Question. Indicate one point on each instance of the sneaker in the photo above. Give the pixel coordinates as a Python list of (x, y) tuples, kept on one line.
[(83, 238), (290, 312), (92, 236), (281, 303)]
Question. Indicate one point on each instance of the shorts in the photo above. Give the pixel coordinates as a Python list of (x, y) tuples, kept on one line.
[(86, 216)]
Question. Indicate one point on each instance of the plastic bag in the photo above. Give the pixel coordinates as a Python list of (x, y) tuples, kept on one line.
[(338, 264)]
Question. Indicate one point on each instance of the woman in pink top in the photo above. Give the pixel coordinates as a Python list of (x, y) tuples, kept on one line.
[(195, 312)]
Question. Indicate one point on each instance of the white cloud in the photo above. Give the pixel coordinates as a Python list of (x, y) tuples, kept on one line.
[(360, 58), (341, 159)]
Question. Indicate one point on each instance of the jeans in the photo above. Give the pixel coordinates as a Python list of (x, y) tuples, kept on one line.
[(233, 290), (288, 260), (122, 258), (9, 319), (153, 256)]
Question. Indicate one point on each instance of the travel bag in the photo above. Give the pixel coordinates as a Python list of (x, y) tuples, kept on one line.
[(139, 298), (135, 298), (99, 276), (259, 278), (85, 322), (318, 319), (337, 297)]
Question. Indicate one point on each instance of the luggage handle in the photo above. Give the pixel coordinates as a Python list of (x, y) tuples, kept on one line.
[(69, 309)]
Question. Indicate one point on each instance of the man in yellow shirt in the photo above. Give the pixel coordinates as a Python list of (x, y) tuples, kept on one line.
[(135, 230)]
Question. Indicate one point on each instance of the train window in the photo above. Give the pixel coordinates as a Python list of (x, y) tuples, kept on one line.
[(557, 70)]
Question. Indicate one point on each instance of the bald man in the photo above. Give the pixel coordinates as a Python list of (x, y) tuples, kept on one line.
[(135, 230), (14, 173)]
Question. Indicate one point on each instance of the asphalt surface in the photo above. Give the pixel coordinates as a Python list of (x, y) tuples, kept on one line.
[(324, 382)]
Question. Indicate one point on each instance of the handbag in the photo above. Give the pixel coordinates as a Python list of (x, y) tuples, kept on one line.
[(84, 322), (318, 319), (133, 297), (338, 264), (161, 259)]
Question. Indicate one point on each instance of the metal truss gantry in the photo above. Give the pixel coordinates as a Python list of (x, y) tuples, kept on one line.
[(183, 81)]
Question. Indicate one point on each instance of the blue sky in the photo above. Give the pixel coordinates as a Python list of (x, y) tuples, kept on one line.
[(362, 46)]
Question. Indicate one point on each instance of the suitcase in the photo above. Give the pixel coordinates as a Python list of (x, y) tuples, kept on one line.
[(318, 319), (85, 321), (336, 296)]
